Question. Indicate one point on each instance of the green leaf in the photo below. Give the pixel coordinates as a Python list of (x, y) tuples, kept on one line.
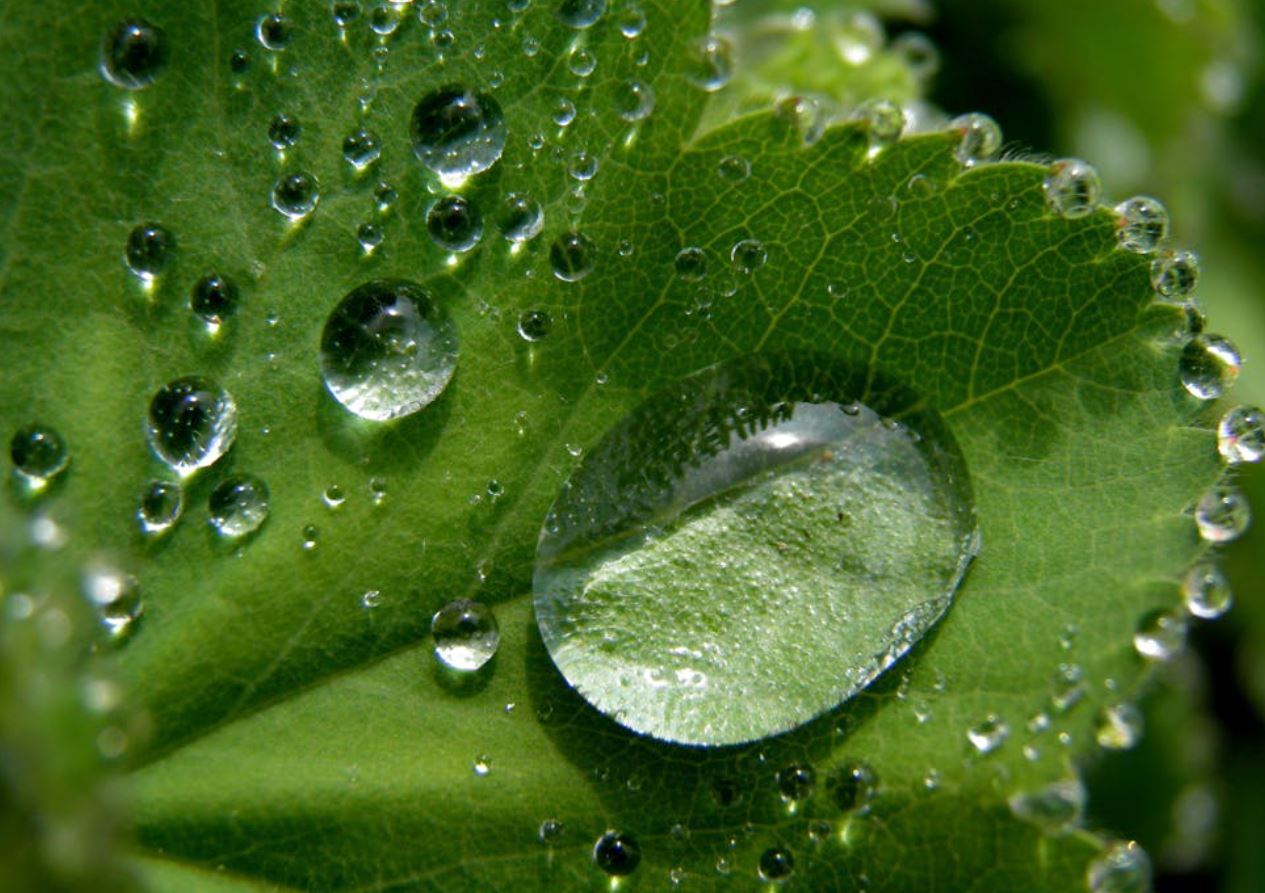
[(304, 741)]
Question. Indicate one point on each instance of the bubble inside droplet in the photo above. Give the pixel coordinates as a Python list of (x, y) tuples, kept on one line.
[(238, 506), (192, 423), (466, 635)]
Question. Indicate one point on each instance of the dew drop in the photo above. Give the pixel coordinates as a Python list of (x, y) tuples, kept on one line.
[(1057, 808), (776, 864), (1208, 366), (1069, 687), (733, 168), (981, 138), (161, 505), (334, 496), (192, 423), (345, 12), (520, 218), (1072, 188), (616, 854), (383, 20), (1206, 591), (1241, 435), (274, 31), (1160, 635), (796, 781), (634, 100), (884, 121), (691, 264), (988, 735), (284, 131), (371, 599), (213, 299), (39, 455), (1223, 514), (433, 13), (454, 223), (564, 113), (571, 256), (147, 249), (1119, 726), (116, 596), (311, 536), (852, 787), (239, 62), (296, 195), (370, 236), (748, 255), (710, 62), (384, 197), (361, 149), (1123, 868), (1175, 273), (550, 832), (581, 13), (632, 21), (534, 325), (238, 506), (581, 62), (133, 54), (1143, 224), (466, 635), (457, 132), (582, 166), (919, 54)]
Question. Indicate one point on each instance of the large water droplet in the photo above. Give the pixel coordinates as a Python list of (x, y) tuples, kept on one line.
[(1122, 868), (1209, 364), (238, 506), (213, 299), (616, 854), (571, 256), (1206, 591), (387, 350), (133, 54), (1143, 224), (581, 13), (1056, 808), (466, 634), (751, 547), (457, 132), (1223, 514), (454, 223), (39, 455), (1241, 435), (776, 864), (1072, 188), (192, 423), (148, 245)]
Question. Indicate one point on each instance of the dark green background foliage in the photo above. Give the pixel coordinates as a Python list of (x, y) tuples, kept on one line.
[(273, 733)]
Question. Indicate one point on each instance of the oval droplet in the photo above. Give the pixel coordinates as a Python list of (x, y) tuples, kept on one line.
[(192, 423), (454, 223), (284, 131), (738, 524), (1206, 591), (116, 596), (691, 264), (852, 787), (634, 100), (1143, 224), (1241, 435), (387, 350), (148, 245), (238, 506), (1208, 366), (213, 299), (296, 195), (616, 854), (520, 218), (776, 864), (274, 31), (1223, 514), (1072, 188), (571, 256), (1160, 635), (457, 132), (883, 120), (796, 781), (466, 635), (161, 505), (39, 455), (133, 54)]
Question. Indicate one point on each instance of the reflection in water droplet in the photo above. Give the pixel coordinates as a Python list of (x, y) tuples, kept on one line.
[(796, 781), (581, 62), (571, 256), (710, 62), (634, 100), (520, 218), (1160, 636), (39, 455), (370, 236), (1122, 868), (454, 223), (361, 149), (116, 596), (748, 255), (296, 195), (852, 787), (1119, 726), (534, 325), (776, 864), (274, 31), (387, 350), (1057, 808), (133, 54), (213, 299), (988, 735), (582, 166), (1072, 188), (466, 635), (1207, 591), (192, 423), (284, 131), (457, 132), (148, 245), (1175, 273), (883, 119), (616, 854), (581, 13), (1223, 514), (238, 506), (1143, 224), (691, 264), (161, 505), (1241, 435), (981, 138), (764, 501), (311, 537), (1208, 366)]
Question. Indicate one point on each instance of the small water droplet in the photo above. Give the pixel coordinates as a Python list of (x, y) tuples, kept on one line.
[(238, 506), (632, 21), (1123, 868), (383, 20), (384, 197), (1143, 224), (634, 100), (116, 596), (133, 54), (581, 62), (361, 149), (1072, 188), (852, 787), (691, 264), (616, 854), (582, 166), (311, 536), (989, 734), (387, 350), (371, 598), (482, 765), (796, 781), (520, 217), (457, 132), (39, 455), (334, 496), (370, 236), (884, 120), (296, 195), (571, 256), (1056, 808), (981, 138), (1175, 274), (213, 299), (733, 168), (454, 223), (919, 54), (1119, 726), (534, 325), (748, 255), (1069, 687), (550, 832), (1241, 435), (776, 864), (433, 13), (284, 131), (1208, 366), (161, 505), (1223, 514), (466, 635), (274, 31), (192, 423), (1160, 635), (564, 112), (147, 249), (710, 62), (345, 12), (581, 13), (1206, 591)]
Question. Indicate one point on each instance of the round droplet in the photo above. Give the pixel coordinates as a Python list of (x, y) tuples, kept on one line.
[(296, 195), (334, 496), (852, 787), (311, 536), (1160, 635), (148, 246), (564, 113), (361, 149), (457, 132), (433, 13), (550, 832), (192, 423), (39, 455), (581, 62), (733, 168), (988, 735), (1119, 726), (466, 634), (884, 121), (454, 223), (1072, 188), (691, 264), (284, 131), (616, 854), (384, 20), (1206, 591), (1175, 274), (238, 506), (116, 596), (710, 574), (1143, 224), (1208, 366), (370, 236), (387, 350), (133, 54), (748, 255), (1223, 514), (634, 100), (981, 138), (345, 12), (239, 62), (776, 864), (274, 31), (581, 13), (571, 256), (1241, 435), (710, 62), (582, 166), (1123, 868), (384, 197), (534, 325), (520, 217), (213, 299), (796, 781), (161, 505), (1057, 808)]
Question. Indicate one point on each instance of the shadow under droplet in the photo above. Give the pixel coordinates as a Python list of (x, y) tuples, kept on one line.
[(463, 683), (391, 446)]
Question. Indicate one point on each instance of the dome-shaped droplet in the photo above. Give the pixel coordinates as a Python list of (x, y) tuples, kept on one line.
[(1056, 808), (433, 13), (1143, 224), (634, 100), (691, 263), (161, 505), (581, 13), (370, 236), (1072, 188), (457, 132), (192, 423), (748, 255), (133, 54), (883, 120), (710, 573), (345, 12), (454, 223), (39, 455), (147, 249), (334, 496), (571, 256), (1161, 635), (361, 149), (616, 854), (284, 131), (1119, 726), (274, 31), (534, 325), (1175, 274), (564, 112), (1208, 366), (1122, 868), (550, 832), (1206, 591), (1241, 435), (852, 787), (581, 62), (238, 506), (296, 195), (582, 166), (116, 596), (384, 197), (981, 138), (520, 217), (1223, 514), (795, 782), (988, 734), (213, 299), (710, 62), (466, 635), (387, 350), (632, 21), (733, 168), (776, 864)]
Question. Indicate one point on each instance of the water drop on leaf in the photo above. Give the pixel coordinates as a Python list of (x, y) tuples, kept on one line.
[(296, 195), (238, 506), (192, 423), (1056, 808), (1143, 224), (457, 132), (361, 149), (616, 854), (1175, 274), (571, 256), (454, 223), (1119, 726), (1072, 188), (133, 54), (466, 635), (1160, 635), (1122, 868), (213, 299), (520, 218), (988, 735), (1223, 514), (534, 325), (581, 13), (161, 505), (1209, 364), (39, 455), (1241, 435), (147, 249), (1206, 591), (981, 138), (710, 62), (274, 31), (776, 864)]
